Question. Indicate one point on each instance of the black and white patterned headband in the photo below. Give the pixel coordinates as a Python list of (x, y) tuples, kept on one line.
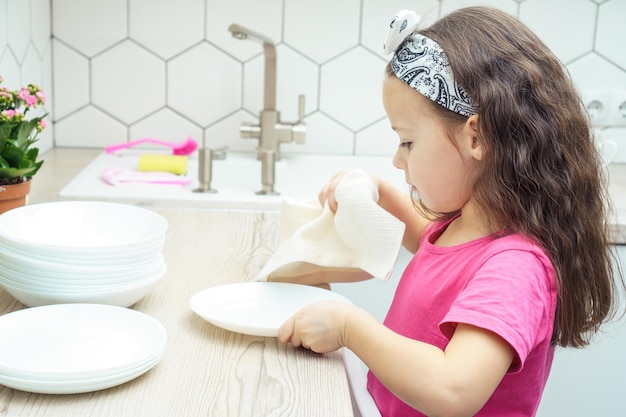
[(421, 63)]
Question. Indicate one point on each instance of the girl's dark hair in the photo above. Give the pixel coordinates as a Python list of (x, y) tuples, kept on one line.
[(542, 175)]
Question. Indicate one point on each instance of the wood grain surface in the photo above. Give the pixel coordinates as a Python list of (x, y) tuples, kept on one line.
[(206, 371)]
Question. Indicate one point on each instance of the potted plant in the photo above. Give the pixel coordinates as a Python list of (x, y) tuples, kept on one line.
[(18, 157)]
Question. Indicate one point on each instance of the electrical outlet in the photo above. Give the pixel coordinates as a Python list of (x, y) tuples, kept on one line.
[(616, 116), (597, 104)]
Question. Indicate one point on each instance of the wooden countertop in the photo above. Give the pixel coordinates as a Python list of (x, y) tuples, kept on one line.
[(206, 371)]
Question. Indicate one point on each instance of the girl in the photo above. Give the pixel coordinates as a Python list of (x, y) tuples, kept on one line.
[(510, 236)]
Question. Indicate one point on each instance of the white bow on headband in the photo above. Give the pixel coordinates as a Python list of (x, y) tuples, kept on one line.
[(421, 63), (402, 26)]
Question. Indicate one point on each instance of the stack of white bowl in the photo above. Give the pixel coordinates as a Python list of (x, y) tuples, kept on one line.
[(81, 252)]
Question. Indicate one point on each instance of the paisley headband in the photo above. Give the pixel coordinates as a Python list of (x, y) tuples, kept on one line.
[(421, 63)]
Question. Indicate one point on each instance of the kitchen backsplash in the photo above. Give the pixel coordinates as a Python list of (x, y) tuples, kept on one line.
[(118, 70)]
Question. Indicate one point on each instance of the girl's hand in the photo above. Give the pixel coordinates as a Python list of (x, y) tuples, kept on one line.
[(320, 327), (327, 193)]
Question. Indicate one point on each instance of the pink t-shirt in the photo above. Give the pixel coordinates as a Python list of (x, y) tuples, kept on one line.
[(506, 285)]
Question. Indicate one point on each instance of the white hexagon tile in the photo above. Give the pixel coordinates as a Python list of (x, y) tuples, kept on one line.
[(612, 32), (18, 34), (89, 126), (90, 26), (71, 70), (4, 41), (351, 88), (166, 27), (170, 69), (127, 82), (204, 84), (166, 124), (40, 24), (572, 37), (322, 29)]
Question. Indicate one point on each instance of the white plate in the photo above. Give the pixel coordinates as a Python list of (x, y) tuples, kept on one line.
[(256, 308), (75, 342), (121, 296), (53, 386), (79, 227)]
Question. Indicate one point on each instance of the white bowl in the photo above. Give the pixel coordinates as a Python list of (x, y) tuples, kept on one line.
[(81, 227), (95, 270), (125, 255), (85, 282), (122, 296)]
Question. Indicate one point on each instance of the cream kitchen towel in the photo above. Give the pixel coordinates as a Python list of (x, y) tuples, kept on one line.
[(361, 238)]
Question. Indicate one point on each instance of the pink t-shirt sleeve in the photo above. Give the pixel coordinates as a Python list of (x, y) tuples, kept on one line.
[(509, 296)]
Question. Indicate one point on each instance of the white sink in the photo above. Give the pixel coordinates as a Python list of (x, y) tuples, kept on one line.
[(235, 178)]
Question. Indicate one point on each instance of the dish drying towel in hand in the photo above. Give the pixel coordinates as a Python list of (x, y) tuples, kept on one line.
[(360, 238), (117, 176)]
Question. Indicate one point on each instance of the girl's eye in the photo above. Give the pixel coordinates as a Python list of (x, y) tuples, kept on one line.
[(406, 145)]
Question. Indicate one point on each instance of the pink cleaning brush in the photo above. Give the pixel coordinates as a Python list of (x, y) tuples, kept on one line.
[(185, 148)]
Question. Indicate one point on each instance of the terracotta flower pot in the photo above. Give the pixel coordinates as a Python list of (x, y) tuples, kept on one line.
[(14, 195)]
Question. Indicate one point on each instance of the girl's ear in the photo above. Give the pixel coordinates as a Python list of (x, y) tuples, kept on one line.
[(470, 132)]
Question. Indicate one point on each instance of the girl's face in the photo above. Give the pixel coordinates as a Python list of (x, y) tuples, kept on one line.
[(438, 163)]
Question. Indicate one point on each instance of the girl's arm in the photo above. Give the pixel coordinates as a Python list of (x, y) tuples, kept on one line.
[(454, 382)]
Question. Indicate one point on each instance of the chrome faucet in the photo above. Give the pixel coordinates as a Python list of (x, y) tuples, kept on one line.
[(270, 131)]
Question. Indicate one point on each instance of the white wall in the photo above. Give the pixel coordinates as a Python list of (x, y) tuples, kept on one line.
[(590, 382), (124, 69), (26, 51)]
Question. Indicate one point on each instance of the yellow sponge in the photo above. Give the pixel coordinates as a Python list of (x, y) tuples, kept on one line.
[(176, 164)]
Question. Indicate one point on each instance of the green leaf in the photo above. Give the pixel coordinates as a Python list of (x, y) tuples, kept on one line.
[(5, 130), (20, 172), (25, 130), (12, 154), (32, 153), (17, 158)]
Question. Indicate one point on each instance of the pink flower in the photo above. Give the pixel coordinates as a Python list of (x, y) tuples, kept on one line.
[(14, 105), (41, 125), (10, 115), (31, 101), (23, 94), (42, 97)]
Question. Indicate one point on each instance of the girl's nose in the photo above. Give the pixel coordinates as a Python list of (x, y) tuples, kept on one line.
[(397, 160)]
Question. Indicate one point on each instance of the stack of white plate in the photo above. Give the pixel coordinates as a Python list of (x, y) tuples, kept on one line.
[(73, 348), (81, 252)]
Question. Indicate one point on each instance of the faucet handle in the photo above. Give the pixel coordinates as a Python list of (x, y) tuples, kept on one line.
[(298, 130), (219, 153), (249, 130), (301, 108)]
